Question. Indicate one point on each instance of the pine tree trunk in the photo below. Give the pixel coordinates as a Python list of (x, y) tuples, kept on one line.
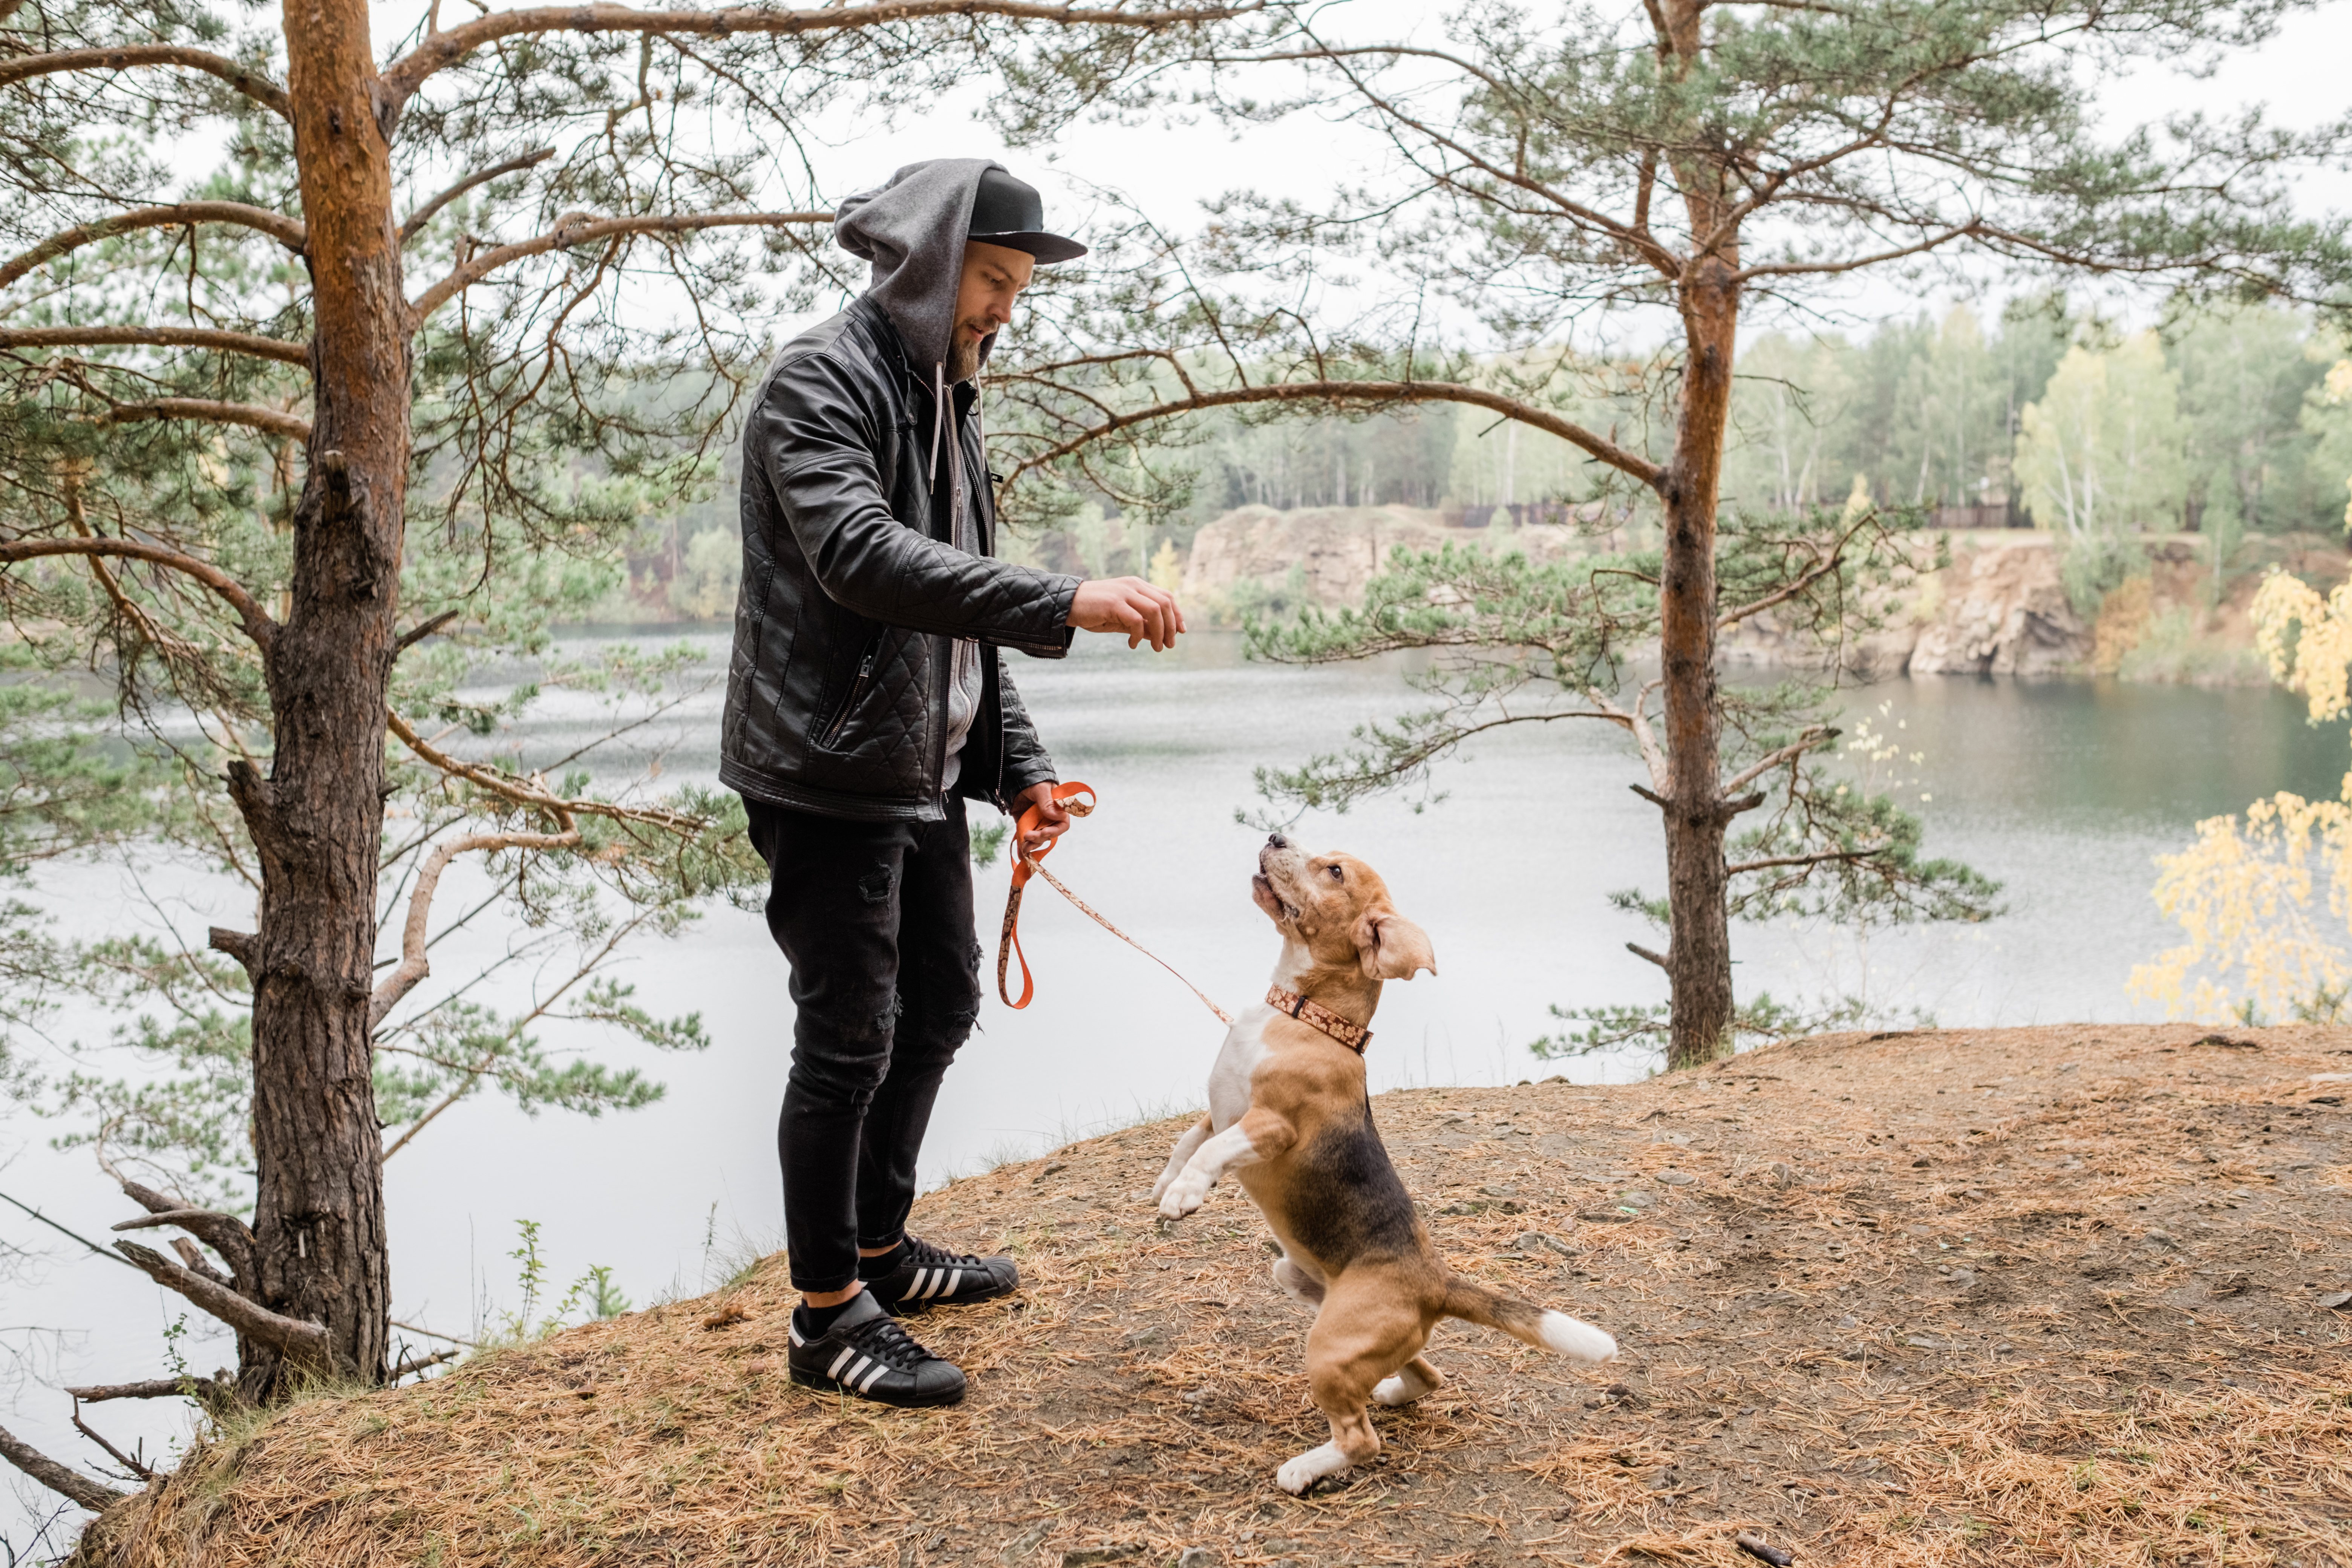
[(317, 818), (1698, 957)]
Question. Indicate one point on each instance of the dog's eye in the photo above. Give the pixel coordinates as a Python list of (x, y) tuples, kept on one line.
[(1336, 874)]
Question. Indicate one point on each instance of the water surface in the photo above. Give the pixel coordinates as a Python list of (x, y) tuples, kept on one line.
[(2063, 791)]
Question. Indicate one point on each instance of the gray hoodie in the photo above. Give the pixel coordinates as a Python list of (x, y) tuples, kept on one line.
[(912, 232)]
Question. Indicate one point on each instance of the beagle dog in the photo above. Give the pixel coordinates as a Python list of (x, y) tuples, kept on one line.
[(1288, 1113)]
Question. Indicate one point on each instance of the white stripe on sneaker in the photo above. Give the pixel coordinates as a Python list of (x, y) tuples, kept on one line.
[(872, 1378), (794, 1330), (956, 1283), (840, 1361), (857, 1369), (914, 1289)]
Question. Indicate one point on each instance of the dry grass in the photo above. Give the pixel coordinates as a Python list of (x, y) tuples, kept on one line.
[(2008, 1297)]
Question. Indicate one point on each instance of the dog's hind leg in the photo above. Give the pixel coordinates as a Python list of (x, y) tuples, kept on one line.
[(1410, 1382), (1366, 1325), (1181, 1155)]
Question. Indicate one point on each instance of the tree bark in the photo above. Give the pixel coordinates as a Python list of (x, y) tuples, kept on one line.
[(320, 1240), (1698, 958)]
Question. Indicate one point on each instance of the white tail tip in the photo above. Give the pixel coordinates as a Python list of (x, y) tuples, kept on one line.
[(1578, 1340)]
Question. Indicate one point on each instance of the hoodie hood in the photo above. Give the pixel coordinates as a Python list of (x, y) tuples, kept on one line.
[(912, 231)]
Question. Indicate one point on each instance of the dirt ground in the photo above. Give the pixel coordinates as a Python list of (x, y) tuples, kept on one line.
[(2066, 1295)]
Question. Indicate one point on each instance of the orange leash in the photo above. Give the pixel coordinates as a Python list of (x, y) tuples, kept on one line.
[(1008, 944)]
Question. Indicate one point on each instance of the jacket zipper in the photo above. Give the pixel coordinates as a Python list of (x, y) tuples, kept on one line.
[(857, 687)]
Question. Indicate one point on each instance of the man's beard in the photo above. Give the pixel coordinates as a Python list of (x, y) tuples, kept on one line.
[(963, 358)]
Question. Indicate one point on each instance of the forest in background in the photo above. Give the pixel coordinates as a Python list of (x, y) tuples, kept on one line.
[(2217, 422)]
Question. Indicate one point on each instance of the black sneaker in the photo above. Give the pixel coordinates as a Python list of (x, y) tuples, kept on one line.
[(929, 1276), (867, 1354)]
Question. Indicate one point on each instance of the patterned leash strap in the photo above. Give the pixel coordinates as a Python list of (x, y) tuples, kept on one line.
[(1008, 944)]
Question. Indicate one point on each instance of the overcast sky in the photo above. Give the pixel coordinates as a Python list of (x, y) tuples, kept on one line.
[(2302, 78)]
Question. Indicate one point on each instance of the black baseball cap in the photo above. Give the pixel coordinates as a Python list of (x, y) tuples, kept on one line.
[(1007, 211)]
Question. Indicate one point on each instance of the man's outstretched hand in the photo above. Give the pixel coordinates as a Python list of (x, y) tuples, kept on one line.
[(1130, 605)]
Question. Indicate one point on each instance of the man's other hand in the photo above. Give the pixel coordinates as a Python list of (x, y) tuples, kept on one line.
[(1128, 605), (1053, 817)]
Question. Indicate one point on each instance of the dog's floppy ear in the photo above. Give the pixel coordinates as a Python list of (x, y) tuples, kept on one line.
[(1391, 947)]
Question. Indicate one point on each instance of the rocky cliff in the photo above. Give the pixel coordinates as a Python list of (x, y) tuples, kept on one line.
[(2000, 608), (1257, 557)]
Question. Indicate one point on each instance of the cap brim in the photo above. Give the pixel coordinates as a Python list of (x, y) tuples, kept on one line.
[(1045, 248)]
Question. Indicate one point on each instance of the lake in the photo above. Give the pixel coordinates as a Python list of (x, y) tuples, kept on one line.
[(2063, 791)]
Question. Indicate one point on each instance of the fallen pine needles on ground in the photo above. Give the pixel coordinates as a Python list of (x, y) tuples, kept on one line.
[(2041, 1296)]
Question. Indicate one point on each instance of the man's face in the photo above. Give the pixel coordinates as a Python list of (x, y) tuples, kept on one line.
[(994, 277)]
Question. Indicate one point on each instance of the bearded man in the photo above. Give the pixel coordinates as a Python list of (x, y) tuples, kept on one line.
[(867, 702)]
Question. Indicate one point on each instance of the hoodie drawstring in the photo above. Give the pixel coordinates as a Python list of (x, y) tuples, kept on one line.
[(939, 418)]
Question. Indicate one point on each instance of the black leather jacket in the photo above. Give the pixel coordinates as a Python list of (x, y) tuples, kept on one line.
[(837, 695)]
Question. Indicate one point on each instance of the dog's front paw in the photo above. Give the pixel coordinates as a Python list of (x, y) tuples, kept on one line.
[(1160, 1188), (1182, 1197)]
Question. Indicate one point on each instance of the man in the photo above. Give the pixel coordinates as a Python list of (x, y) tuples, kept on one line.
[(867, 703)]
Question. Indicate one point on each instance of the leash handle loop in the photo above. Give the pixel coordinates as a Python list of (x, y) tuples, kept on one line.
[(1024, 863)]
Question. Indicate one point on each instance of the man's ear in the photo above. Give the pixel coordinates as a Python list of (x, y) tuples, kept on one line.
[(1391, 947)]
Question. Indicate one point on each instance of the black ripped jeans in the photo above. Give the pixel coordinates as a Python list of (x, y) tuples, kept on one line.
[(876, 919)]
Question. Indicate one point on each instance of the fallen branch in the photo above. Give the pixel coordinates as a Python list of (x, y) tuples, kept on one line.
[(419, 1363), (431, 1334), (125, 1460), (305, 1345), (153, 1388), (71, 1484)]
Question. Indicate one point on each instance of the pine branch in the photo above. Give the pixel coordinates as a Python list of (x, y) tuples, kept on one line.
[(414, 223), (522, 794), (445, 49), (251, 343), (582, 229), (288, 232), (254, 619), (255, 85), (271, 421), (1817, 736), (1373, 392), (413, 964)]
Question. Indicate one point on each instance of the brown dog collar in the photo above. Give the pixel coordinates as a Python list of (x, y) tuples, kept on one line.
[(1315, 1015)]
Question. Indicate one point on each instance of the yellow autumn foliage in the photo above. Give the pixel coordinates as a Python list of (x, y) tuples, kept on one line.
[(2248, 897), (2264, 900)]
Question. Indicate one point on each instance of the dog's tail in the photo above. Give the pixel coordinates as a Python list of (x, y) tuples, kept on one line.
[(1474, 1303)]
